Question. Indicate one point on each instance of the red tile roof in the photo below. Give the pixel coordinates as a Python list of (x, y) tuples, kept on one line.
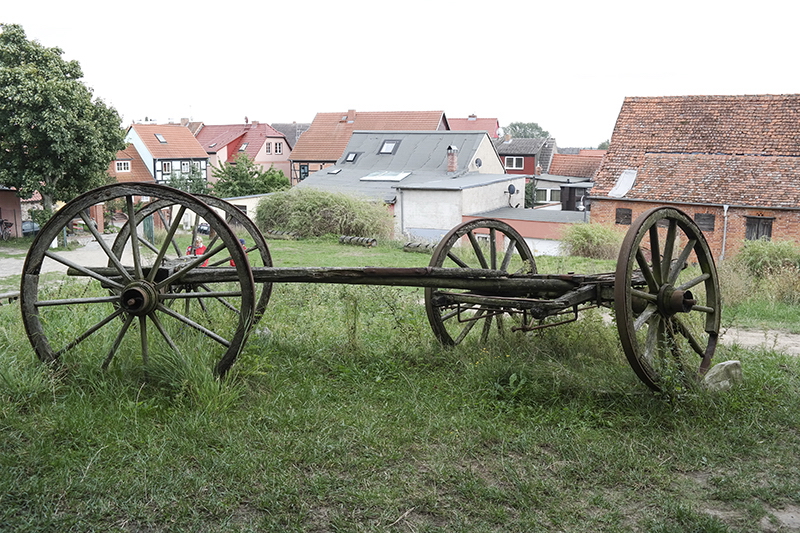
[(707, 149), (180, 144), (138, 172), (329, 134), (578, 166), (235, 135), (473, 123)]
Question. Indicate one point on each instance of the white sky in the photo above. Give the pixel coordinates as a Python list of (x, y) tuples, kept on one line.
[(565, 65)]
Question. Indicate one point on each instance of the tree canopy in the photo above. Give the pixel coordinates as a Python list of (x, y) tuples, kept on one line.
[(54, 137), (244, 178), (526, 130)]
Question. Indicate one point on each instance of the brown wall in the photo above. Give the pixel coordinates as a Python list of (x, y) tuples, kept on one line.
[(785, 227), (11, 210)]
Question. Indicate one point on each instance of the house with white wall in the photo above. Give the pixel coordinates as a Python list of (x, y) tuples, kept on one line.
[(429, 179), (166, 150)]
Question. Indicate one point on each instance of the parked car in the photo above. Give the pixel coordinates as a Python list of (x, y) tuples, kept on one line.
[(29, 228), (204, 228)]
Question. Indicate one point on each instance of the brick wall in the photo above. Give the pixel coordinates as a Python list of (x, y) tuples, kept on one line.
[(785, 224)]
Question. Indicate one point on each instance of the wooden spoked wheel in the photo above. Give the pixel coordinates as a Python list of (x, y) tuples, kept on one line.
[(478, 244), (122, 305), (256, 246), (667, 299)]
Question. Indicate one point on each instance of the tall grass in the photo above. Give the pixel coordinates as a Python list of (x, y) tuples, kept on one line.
[(596, 241), (344, 414)]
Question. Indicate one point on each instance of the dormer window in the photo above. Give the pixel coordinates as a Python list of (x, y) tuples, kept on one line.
[(389, 147), (161, 138), (123, 166)]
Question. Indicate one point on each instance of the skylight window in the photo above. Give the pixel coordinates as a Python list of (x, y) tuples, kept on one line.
[(212, 145), (161, 138), (351, 157), (243, 147), (389, 147)]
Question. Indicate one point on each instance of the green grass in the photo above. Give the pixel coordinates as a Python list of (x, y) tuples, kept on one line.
[(348, 416)]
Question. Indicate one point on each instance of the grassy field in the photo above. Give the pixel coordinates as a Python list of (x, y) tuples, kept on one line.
[(344, 414)]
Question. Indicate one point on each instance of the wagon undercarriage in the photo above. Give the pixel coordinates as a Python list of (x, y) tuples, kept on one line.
[(481, 278)]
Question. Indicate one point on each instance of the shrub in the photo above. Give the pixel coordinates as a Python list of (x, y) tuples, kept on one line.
[(596, 241), (763, 258), (313, 213)]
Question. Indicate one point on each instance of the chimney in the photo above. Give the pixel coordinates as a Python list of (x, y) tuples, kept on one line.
[(507, 138), (538, 170), (452, 158)]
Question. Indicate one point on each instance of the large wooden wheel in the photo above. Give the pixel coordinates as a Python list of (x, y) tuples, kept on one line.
[(478, 244), (121, 304), (666, 298), (256, 246)]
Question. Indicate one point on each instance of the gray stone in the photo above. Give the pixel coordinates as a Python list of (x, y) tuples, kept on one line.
[(723, 376)]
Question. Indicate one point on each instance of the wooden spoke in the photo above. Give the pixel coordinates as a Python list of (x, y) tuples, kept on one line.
[(665, 336), (136, 280), (465, 247)]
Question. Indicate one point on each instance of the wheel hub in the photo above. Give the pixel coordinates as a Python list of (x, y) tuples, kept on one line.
[(139, 298), (672, 300)]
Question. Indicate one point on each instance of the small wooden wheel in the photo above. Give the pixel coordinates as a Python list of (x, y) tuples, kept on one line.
[(120, 304), (256, 248), (480, 244), (666, 298)]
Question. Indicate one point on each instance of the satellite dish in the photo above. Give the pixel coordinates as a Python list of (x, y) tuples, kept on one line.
[(478, 162), (511, 188)]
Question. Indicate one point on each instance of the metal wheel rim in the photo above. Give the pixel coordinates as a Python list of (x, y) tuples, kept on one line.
[(440, 317), (151, 317), (653, 334)]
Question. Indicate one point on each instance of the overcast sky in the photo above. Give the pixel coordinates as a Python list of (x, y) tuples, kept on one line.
[(565, 65)]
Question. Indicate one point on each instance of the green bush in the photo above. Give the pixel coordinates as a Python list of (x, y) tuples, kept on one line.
[(596, 241), (313, 213), (763, 258)]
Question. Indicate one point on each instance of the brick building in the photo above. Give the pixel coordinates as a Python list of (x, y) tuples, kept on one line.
[(731, 162)]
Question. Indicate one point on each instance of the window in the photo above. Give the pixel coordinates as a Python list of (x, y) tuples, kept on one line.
[(243, 147), (541, 195), (555, 195), (278, 148), (351, 157), (389, 147), (123, 166), (303, 171), (623, 216), (185, 167), (268, 148), (160, 138), (704, 221), (196, 165), (166, 167), (515, 163), (759, 227)]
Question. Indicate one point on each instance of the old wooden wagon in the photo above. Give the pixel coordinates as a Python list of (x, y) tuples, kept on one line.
[(148, 296)]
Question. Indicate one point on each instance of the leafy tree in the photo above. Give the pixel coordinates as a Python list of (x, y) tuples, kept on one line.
[(192, 182), (244, 177), (526, 130), (54, 137), (604, 145)]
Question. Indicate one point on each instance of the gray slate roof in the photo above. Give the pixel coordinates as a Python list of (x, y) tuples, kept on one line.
[(420, 161), (291, 131), (519, 146)]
